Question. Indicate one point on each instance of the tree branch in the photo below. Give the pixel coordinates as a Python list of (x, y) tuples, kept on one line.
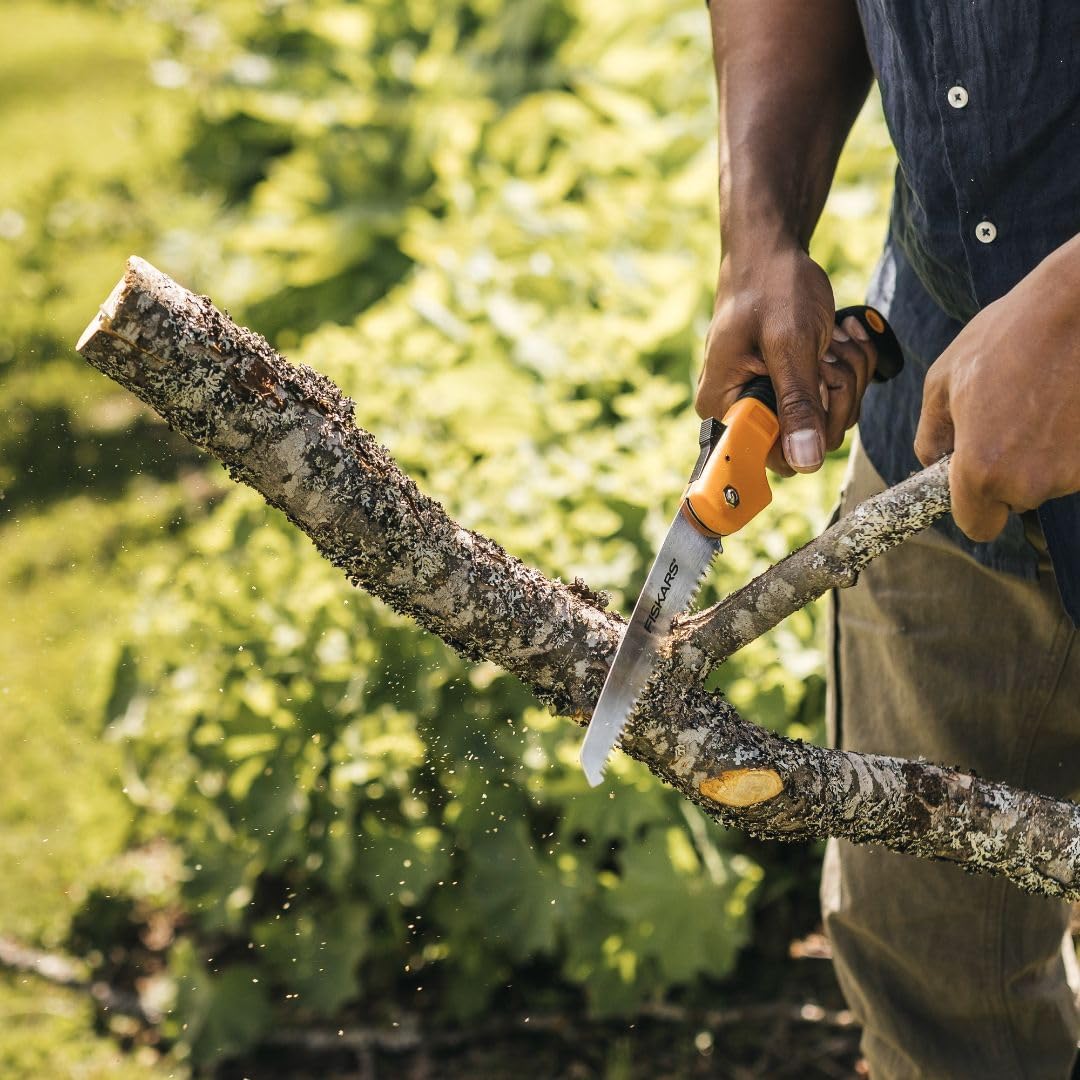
[(831, 561), (74, 975), (288, 432)]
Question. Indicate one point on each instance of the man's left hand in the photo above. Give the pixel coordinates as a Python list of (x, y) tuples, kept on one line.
[(1004, 397)]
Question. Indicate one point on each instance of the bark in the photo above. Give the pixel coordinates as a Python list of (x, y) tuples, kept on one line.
[(288, 432)]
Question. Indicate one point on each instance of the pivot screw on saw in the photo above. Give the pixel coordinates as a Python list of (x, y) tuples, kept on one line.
[(727, 488)]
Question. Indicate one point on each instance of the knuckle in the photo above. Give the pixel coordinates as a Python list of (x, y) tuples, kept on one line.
[(927, 447), (977, 530), (933, 385), (842, 378), (984, 473), (987, 472), (730, 335), (734, 314), (1027, 486), (705, 397), (799, 405), (867, 360), (703, 404)]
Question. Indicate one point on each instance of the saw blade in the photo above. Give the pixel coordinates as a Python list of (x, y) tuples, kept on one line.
[(681, 563)]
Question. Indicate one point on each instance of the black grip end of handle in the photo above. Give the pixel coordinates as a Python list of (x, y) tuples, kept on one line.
[(890, 357), (761, 388)]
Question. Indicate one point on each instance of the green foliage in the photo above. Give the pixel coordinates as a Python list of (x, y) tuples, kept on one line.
[(354, 800), (49, 1031), (88, 178), (325, 122), (320, 762), (223, 1014), (517, 197), (63, 815)]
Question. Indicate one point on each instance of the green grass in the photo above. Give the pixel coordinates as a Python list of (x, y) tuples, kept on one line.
[(47, 1033), (70, 78), (74, 87), (87, 140), (62, 812), (76, 110)]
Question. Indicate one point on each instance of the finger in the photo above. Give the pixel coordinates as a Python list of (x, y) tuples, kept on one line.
[(864, 371), (731, 361), (720, 382), (841, 383), (776, 460), (864, 342), (856, 351), (859, 352), (978, 513), (853, 360), (793, 365), (935, 436)]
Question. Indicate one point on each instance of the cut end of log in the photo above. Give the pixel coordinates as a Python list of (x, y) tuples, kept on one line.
[(136, 268), (742, 787), (106, 313)]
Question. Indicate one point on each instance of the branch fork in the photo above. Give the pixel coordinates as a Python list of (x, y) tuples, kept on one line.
[(288, 432)]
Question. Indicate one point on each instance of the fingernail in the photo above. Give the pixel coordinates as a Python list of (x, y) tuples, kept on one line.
[(823, 390), (856, 328), (830, 358), (839, 335), (803, 449)]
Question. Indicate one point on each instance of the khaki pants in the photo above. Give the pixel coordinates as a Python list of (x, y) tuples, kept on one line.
[(934, 655)]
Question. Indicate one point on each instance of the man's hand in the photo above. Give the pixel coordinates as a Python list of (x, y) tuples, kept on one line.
[(774, 315), (1004, 397), (791, 76)]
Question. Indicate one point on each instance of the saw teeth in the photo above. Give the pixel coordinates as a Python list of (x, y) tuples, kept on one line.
[(684, 550), (692, 606)]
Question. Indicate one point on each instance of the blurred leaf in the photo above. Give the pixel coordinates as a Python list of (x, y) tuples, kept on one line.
[(224, 1014), (314, 955)]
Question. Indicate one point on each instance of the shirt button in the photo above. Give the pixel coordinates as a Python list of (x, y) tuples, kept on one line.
[(986, 232), (957, 97)]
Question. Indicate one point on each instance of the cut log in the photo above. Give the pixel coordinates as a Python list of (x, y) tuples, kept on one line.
[(288, 432)]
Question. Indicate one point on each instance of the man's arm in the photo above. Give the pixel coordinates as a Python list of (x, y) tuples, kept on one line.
[(792, 75), (1004, 397)]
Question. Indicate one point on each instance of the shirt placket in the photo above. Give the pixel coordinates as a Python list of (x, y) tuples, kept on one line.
[(962, 98)]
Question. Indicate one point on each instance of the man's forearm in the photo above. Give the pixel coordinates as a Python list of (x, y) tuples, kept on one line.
[(792, 76)]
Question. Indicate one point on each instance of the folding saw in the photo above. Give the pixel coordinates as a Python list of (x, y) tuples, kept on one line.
[(727, 488)]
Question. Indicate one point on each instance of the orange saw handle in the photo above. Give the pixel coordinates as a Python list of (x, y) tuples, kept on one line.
[(729, 486)]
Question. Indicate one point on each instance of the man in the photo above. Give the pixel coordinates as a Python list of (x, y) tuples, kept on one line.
[(960, 645)]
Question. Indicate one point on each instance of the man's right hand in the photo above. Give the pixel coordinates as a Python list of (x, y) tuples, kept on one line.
[(774, 315)]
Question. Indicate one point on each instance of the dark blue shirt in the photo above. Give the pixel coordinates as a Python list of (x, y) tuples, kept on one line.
[(982, 99)]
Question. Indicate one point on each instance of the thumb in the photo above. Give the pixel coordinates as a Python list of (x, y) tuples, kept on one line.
[(794, 371)]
